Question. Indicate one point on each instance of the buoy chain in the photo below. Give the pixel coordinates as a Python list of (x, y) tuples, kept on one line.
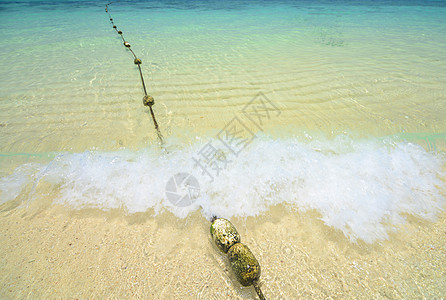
[(147, 99), (225, 235), (244, 264)]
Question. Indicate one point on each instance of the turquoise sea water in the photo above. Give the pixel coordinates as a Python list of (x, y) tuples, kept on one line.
[(355, 126)]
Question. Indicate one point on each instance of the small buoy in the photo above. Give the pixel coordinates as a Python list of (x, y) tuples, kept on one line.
[(138, 61), (111, 19), (114, 26), (127, 44), (244, 264), (148, 100), (119, 32), (224, 234)]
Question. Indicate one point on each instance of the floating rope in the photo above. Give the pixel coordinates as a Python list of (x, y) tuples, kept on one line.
[(225, 235), (147, 99)]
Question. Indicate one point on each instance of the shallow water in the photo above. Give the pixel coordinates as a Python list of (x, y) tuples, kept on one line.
[(335, 108), (69, 85)]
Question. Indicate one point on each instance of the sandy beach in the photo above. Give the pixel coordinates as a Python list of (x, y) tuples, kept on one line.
[(317, 128), (55, 253)]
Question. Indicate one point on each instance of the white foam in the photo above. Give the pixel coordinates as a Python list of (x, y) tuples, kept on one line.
[(362, 187)]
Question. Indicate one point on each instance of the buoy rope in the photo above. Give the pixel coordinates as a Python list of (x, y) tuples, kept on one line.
[(229, 243), (258, 290), (147, 100)]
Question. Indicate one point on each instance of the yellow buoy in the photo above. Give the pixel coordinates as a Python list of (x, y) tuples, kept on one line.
[(224, 234), (245, 266)]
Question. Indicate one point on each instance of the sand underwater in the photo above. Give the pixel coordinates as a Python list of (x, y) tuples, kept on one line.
[(317, 127)]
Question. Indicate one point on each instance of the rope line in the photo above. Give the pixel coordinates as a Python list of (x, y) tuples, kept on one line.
[(225, 242), (147, 99), (258, 290)]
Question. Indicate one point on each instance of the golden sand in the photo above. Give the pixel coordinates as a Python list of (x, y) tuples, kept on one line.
[(55, 253), (94, 101)]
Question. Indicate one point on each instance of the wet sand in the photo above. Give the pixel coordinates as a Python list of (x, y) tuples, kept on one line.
[(56, 253)]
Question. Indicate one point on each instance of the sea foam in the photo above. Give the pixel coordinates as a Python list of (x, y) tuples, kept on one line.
[(362, 187)]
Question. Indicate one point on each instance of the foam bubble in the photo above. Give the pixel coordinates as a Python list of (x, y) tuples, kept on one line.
[(362, 187)]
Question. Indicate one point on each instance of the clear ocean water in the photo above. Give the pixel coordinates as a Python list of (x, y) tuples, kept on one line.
[(333, 106)]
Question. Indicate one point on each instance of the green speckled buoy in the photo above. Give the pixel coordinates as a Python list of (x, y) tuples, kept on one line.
[(224, 234), (244, 264), (148, 100)]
